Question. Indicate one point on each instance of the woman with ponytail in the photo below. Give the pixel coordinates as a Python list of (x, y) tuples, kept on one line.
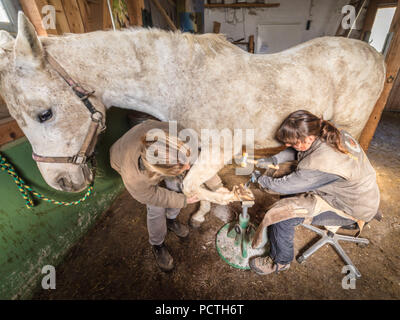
[(333, 184), (146, 156)]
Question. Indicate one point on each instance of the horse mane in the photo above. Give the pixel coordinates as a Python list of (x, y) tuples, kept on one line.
[(6, 44), (6, 41), (209, 43)]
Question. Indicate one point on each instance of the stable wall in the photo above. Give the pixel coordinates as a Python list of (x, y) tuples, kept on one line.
[(325, 16), (33, 238)]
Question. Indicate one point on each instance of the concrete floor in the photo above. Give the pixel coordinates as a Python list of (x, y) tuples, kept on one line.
[(114, 260)]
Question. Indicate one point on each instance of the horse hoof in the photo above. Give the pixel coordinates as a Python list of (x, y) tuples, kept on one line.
[(195, 224)]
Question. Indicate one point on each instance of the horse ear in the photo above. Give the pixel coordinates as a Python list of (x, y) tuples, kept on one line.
[(5, 38), (6, 41), (28, 49)]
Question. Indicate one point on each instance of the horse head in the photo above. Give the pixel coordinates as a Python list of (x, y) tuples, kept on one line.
[(50, 113)]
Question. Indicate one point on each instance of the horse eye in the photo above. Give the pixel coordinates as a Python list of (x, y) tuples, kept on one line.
[(45, 115)]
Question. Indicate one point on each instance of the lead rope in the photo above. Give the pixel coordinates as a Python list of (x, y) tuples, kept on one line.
[(27, 192)]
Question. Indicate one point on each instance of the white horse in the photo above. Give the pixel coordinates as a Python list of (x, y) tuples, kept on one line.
[(201, 81)]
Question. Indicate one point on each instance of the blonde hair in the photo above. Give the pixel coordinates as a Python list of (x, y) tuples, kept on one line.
[(164, 154)]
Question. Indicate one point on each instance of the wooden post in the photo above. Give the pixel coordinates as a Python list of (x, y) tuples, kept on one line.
[(216, 27), (164, 14), (73, 15), (33, 10), (172, 3), (83, 10), (61, 19), (242, 5), (369, 18), (94, 12), (107, 23), (135, 8), (392, 68), (251, 44), (393, 103)]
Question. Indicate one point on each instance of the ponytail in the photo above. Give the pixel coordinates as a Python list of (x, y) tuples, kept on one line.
[(164, 154), (302, 123), (331, 135)]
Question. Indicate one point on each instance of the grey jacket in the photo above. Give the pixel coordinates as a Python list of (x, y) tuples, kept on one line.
[(124, 158), (346, 181)]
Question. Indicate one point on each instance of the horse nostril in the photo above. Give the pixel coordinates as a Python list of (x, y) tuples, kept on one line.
[(64, 184), (61, 182)]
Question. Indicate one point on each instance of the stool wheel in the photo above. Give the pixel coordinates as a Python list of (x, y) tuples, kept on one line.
[(300, 259), (362, 245)]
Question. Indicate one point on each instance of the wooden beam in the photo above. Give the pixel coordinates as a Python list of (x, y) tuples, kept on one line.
[(369, 18), (392, 69), (73, 15), (393, 103), (61, 19), (387, 3), (216, 27), (241, 5), (165, 15), (32, 9), (135, 8), (172, 3), (251, 44), (83, 9), (9, 131), (94, 15), (107, 22), (258, 153)]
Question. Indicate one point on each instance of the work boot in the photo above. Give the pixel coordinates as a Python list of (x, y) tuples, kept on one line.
[(266, 265), (178, 228), (163, 258)]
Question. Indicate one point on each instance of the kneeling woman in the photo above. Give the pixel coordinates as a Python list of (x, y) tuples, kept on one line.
[(335, 180)]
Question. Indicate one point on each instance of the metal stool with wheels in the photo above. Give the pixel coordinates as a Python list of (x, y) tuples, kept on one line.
[(330, 236)]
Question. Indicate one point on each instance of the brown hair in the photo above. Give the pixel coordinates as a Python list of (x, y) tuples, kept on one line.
[(301, 124), (164, 154)]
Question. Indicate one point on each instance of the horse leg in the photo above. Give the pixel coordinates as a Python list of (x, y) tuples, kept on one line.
[(202, 171), (199, 216), (199, 173)]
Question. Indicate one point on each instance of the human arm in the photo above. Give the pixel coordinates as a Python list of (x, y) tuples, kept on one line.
[(148, 193), (289, 154), (299, 181)]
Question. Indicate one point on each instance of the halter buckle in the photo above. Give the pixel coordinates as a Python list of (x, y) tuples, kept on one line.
[(98, 117), (79, 159), (87, 95)]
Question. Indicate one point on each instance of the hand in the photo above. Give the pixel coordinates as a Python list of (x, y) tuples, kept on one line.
[(264, 163), (192, 199), (255, 175), (222, 190)]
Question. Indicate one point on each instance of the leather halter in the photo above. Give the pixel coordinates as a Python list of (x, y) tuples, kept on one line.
[(87, 148)]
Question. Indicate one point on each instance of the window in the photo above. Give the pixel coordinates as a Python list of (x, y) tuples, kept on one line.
[(9, 15), (3, 14), (380, 28)]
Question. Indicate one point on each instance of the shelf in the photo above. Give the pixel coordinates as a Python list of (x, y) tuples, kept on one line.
[(242, 5)]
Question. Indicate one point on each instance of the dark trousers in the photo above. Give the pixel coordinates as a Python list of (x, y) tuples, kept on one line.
[(281, 234)]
